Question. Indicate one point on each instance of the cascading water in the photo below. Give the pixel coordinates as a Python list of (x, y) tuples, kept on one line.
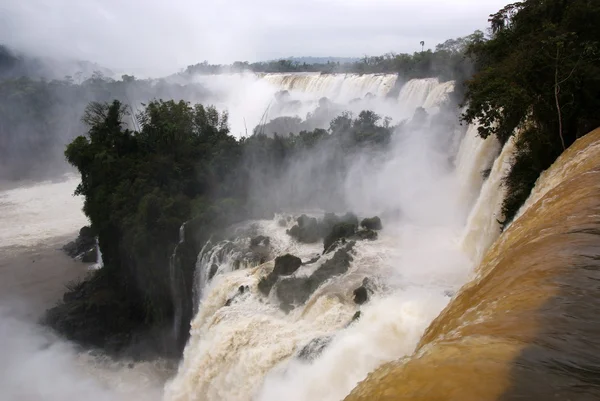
[(525, 327), (483, 225), (243, 346), (338, 87), (250, 98), (99, 263)]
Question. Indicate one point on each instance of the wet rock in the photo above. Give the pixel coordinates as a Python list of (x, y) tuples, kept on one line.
[(307, 230), (366, 235), (314, 348), (295, 291), (84, 243), (285, 265), (350, 218), (372, 223), (360, 295), (260, 240), (241, 290), (89, 256), (213, 270), (311, 261), (339, 231)]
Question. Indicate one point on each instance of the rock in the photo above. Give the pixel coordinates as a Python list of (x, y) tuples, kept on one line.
[(360, 295), (296, 290), (339, 231), (89, 256), (85, 241), (242, 289), (350, 218), (311, 261), (366, 235), (314, 348), (213, 270), (307, 230), (285, 265), (282, 223), (354, 319), (373, 223), (260, 240)]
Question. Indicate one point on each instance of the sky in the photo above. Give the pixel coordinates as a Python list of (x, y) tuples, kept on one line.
[(152, 37)]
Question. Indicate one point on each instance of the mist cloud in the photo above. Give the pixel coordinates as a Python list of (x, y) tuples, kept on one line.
[(156, 37)]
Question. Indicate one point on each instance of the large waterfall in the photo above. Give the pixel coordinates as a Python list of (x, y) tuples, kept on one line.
[(452, 309), (250, 99), (243, 346), (526, 326)]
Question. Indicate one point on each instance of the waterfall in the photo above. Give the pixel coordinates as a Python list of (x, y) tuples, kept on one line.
[(99, 263), (416, 91), (175, 278), (438, 95), (475, 156), (338, 87), (483, 225), (525, 326), (243, 346)]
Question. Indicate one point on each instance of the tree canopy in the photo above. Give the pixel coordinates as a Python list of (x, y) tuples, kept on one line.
[(538, 76)]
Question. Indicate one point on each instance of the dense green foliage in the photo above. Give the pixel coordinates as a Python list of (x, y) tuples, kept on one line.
[(447, 62), (538, 75), (139, 186)]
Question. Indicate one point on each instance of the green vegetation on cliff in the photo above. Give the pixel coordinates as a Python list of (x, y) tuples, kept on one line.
[(181, 165), (538, 75)]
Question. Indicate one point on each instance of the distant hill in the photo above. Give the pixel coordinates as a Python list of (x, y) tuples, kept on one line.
[(321, 60), (14, 64)]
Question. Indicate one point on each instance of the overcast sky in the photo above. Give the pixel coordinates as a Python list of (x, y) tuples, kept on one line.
[(159, 37)]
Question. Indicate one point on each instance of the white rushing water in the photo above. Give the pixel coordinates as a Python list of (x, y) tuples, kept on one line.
[(35, 221), (37, 212), (244, 347), (250, 98)]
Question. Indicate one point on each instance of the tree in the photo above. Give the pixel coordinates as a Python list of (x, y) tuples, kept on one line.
[(536, 75), (422, 46)]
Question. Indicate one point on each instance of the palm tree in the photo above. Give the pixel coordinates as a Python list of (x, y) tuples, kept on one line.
[(422, 46)]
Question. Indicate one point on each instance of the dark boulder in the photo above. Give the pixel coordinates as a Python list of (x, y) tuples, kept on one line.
[(295, 291), (360, 295), (90, 256), (366, 235), (260, 240), (373, 223), (241, 290), (85, 243), (339, 231), (285, 265), (349, 218), (314, 348), (307, 230)]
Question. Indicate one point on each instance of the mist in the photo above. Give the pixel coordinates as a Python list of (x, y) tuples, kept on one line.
[(123, 36), (35, 365)]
